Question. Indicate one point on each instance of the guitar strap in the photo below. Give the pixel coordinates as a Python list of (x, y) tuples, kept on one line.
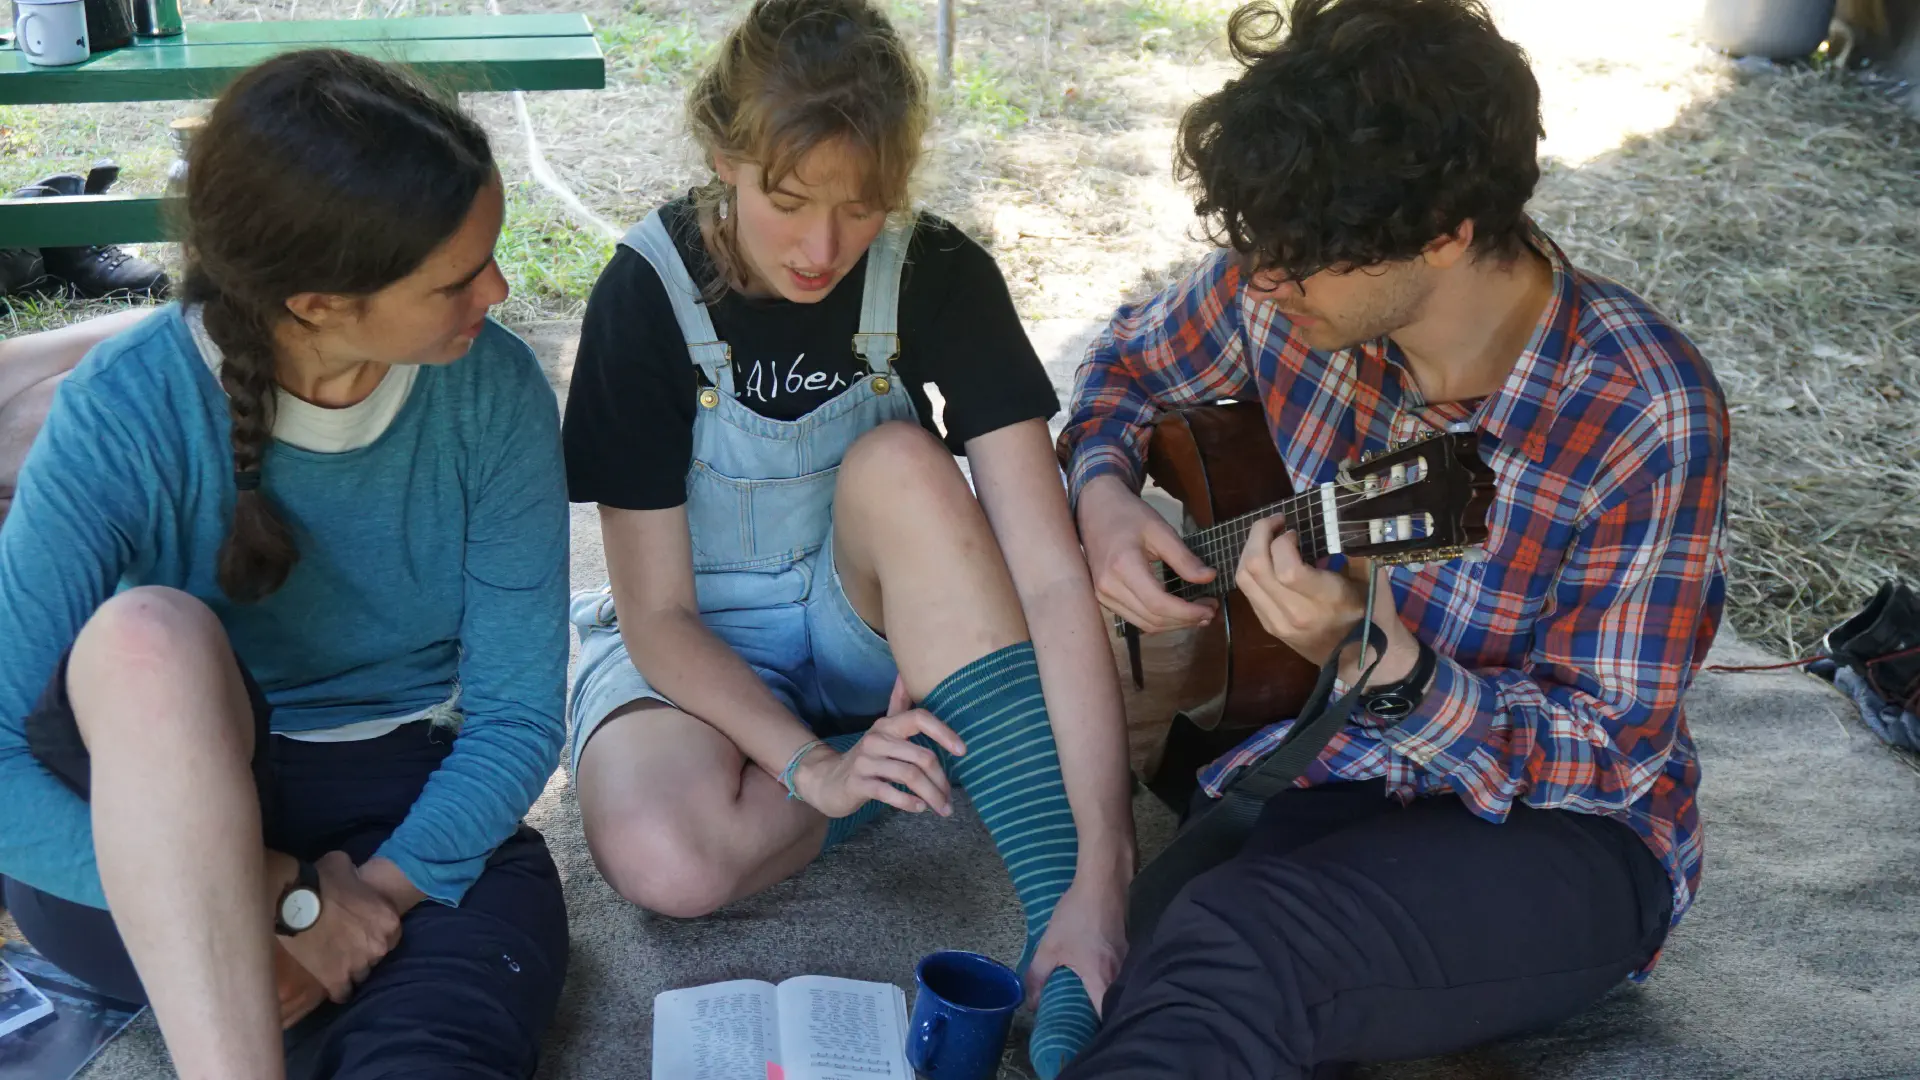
[(1220, 831)]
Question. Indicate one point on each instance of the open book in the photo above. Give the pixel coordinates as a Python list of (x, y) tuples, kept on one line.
[(21, 1003), (811, 1027), (61, 1041)]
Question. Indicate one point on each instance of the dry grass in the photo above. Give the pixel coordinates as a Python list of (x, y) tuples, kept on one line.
[(1052, 140), (1776, 218), (1776, 222)]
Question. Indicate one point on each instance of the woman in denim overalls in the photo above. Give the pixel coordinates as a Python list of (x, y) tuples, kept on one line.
[(829, 569)]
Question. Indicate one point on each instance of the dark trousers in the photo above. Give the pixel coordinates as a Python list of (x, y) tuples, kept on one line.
[(1354, 929), (468, 992)]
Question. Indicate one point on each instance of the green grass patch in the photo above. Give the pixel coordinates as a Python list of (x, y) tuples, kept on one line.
[(910, 13), (550, 260), (1177, 23), (981, 93), (37, 141), (32, 314), (19, 131), (650, 47)]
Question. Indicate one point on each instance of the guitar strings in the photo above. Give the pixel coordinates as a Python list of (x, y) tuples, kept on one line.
[(1233, 532), (1216, 544), (1228, 538)]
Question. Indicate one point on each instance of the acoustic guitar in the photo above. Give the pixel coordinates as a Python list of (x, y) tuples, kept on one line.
[(1192, 695)]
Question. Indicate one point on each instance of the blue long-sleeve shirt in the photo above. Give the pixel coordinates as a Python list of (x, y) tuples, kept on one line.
[(433, 560)]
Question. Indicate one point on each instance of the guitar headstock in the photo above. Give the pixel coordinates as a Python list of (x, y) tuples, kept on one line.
[(1424, 501)]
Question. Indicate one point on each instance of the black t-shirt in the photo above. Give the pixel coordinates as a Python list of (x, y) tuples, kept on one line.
[(629, 422)]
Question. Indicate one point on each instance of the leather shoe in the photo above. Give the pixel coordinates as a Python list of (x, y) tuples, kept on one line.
[(1882, 644), (22, 270), (98, 270)]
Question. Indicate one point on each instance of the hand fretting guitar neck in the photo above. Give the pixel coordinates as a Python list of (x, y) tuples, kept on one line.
[(1423, 501)]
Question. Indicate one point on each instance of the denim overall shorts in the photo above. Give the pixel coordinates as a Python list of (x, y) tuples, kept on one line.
[(760, 510)]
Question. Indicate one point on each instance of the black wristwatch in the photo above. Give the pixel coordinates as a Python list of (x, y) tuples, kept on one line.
[(1396, 701), (299, 906)]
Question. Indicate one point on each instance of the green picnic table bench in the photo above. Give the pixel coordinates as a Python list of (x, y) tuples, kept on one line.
[(456, 53)]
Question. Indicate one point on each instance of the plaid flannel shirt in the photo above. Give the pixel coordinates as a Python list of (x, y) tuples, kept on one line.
[(1563, 657)]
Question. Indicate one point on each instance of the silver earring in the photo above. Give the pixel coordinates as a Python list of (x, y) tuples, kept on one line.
[(721, 210)]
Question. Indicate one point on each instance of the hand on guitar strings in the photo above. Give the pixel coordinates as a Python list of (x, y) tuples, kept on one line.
[(1123, 537), (1312, 610)]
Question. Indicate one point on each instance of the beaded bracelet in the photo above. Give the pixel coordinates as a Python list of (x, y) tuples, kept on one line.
[(793, 765)]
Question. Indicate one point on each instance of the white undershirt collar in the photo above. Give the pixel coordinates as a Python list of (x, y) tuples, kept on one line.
[(317, 428)]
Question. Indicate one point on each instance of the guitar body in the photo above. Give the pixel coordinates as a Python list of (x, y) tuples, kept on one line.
[(1193, 695), (1201, 690)]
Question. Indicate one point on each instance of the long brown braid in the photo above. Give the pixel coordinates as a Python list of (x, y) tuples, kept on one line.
[(317, 172), (259, 551)]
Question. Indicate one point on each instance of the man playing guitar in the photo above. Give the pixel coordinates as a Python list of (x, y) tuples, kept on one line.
[(1499, 853)]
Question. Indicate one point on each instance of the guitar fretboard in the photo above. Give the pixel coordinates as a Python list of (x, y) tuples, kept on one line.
[(1220, 545)]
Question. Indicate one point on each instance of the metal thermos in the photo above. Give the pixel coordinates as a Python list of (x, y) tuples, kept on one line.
[(156, 18), (109, 24)]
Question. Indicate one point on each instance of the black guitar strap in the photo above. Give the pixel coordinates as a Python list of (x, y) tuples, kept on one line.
[(1219, 832)]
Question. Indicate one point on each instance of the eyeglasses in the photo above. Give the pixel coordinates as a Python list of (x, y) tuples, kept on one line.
[(1254, 270), (1252, 267)]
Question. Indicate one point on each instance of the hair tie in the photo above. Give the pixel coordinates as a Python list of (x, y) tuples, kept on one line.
[(249, 480), (793, 766)]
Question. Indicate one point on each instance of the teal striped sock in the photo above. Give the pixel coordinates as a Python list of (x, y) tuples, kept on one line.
[(839, 829), (1064, 1024), (1011, 771)]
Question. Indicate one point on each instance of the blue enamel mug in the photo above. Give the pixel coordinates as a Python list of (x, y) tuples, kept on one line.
[(961, 1014)]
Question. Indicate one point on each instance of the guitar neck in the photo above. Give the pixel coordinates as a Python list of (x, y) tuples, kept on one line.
[(1220, 545)]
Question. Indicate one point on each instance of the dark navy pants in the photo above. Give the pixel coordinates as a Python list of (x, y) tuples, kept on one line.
[(467, 993), (1355, 929)]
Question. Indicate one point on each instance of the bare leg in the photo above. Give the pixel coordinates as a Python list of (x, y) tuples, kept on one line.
[(21, 418), (31, 367), (34, 358), (918, 559), (176, 821), (678, 821)]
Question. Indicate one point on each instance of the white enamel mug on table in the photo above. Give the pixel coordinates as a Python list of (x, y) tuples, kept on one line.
[(51, 33)]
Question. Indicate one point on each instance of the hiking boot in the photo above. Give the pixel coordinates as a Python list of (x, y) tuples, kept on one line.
[(99, 270), (22, 270), (1881, 643)]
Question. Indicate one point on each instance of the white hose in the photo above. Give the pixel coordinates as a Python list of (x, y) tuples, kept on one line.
[(543, 172)]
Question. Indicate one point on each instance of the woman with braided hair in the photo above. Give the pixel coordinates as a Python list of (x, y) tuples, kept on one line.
[(282, 646)]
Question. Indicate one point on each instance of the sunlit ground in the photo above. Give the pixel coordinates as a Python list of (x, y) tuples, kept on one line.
[(1608, 71)]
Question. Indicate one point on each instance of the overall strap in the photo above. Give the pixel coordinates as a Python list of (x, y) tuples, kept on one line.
[(878, 341), (652, 241)]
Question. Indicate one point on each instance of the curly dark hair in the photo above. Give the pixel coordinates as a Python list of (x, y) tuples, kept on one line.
[(1360, 131)]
